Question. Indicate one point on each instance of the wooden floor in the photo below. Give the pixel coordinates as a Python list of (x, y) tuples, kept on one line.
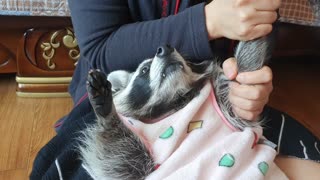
[(26, 124)]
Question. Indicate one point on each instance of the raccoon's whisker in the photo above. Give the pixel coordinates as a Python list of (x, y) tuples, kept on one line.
[(150, 111)]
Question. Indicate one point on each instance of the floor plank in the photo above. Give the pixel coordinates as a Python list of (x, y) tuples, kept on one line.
[(17, 174), (25, 125), (46, 114), (15, 128)]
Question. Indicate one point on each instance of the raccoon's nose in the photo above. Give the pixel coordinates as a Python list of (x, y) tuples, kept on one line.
[(163, 51)]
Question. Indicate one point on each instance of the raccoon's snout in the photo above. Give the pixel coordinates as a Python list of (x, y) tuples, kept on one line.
[(163, 51), (168, 58), (172, 67)]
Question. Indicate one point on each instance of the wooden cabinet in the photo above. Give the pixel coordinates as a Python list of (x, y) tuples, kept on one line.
[(7, 59), (46, 59), (42, 51)]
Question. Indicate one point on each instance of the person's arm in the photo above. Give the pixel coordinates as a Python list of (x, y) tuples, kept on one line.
[(244, 20), (110, 40), (240, 19)]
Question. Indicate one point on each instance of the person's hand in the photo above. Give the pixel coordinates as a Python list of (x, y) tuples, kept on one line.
[(240, 19), (250, 91)]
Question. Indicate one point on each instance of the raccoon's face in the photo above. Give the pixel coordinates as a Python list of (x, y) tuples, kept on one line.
[(160, 85)]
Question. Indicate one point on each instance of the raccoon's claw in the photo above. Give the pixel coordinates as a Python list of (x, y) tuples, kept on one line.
[(99, 83), (99, 91)]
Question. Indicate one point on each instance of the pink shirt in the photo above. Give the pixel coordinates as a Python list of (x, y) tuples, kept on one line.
[(198, 143)]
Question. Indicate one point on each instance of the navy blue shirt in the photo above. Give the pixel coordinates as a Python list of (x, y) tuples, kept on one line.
[(119, 34)]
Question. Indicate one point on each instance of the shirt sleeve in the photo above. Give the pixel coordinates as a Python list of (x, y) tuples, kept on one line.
[(110, 40)]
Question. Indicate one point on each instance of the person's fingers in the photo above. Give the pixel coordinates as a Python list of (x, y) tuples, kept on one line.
[(230, 68), (265, 5), (248, 115), (245, 104), (264, 75), (259, 30), (251, 92), (264, 17), (255, 24)]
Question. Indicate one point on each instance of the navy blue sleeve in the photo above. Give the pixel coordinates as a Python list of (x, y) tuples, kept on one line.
[(109, 39)]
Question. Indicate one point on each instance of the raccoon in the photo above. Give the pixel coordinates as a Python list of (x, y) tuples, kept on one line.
[(159, 87)]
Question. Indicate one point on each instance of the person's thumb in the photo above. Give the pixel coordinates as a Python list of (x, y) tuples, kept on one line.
[(230, 68)]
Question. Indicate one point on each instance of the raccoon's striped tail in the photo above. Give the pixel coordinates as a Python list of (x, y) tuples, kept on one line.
[(251, 56)]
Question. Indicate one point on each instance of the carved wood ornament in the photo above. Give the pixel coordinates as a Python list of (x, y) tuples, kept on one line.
[(50, 48)]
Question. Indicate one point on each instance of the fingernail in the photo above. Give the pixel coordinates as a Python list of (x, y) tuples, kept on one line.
[(229, 73), (229, 68)]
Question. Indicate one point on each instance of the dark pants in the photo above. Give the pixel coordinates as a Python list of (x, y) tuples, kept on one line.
[(295, 140)]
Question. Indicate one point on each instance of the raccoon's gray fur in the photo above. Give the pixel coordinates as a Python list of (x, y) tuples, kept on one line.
[(110, 150)]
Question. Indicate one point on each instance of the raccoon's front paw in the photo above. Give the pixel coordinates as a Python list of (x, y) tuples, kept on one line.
[(99, 92)]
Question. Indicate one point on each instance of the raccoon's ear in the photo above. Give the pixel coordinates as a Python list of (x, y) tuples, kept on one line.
[(119, 80)]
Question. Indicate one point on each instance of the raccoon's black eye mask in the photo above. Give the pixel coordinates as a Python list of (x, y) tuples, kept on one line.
[(145, 69)]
